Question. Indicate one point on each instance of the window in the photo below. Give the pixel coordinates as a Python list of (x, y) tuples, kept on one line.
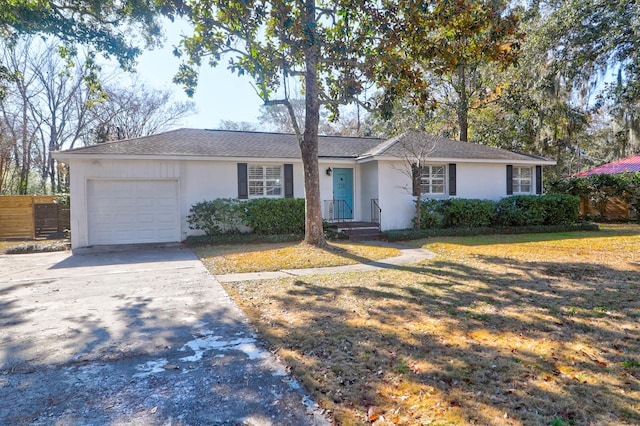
[(432, 180), (265, 181), (522, 182)]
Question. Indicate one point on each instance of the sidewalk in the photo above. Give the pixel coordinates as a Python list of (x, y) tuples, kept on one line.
[(407, 256)]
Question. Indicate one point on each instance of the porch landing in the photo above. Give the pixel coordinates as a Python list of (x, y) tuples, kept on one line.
[(358, 231)]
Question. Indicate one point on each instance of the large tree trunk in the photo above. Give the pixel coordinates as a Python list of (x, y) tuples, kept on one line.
[(463, 104), (313, 233)]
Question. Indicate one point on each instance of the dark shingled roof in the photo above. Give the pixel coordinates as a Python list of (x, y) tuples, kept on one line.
[(424, 145), (227, 143)]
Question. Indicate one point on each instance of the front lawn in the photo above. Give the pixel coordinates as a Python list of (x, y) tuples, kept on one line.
[(224, 259), (513, 329)]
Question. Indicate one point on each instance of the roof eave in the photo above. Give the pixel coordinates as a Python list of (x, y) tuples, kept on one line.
[(532, 161), (62, 156)]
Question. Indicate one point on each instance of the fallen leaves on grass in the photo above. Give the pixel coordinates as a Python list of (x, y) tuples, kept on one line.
[(275, 257), (519, 331)]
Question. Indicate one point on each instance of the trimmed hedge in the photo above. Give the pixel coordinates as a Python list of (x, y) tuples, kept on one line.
[(271, 216), (456, 213), (518, 210), (216, 217), (467, 213), (416, 234), (263, 216)]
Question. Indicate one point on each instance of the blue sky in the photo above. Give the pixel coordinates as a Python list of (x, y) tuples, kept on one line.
[(220, 95)]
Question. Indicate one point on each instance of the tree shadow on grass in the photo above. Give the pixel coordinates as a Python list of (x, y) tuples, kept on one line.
[(455, 342)]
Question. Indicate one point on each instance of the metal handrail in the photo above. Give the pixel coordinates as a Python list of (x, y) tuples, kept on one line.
[(343, 208), (340, 210), (376, 212)]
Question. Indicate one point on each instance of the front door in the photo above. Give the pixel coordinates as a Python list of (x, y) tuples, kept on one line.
[(342, 194)]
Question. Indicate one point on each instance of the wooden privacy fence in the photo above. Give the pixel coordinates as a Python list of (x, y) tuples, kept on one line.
[(27, 216), (613, 209)]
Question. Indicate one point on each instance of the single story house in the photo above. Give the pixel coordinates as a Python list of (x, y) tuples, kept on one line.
[(140, 190)]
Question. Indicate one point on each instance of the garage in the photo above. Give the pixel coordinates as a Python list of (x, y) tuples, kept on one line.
[(132, 211)]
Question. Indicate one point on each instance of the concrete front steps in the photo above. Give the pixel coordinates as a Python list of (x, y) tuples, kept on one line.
[(358, 231)]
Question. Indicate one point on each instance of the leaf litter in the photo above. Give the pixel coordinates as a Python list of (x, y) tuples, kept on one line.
[(508, 330)]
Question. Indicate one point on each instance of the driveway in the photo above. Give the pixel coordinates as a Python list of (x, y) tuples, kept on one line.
[(137, 336)]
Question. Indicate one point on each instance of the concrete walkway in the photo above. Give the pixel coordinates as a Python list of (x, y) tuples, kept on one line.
[(407, 256)]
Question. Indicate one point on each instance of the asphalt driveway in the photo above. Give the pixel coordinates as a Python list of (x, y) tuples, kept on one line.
[(137, 336)]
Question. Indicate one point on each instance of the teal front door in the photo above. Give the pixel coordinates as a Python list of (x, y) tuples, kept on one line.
[(342, 194)]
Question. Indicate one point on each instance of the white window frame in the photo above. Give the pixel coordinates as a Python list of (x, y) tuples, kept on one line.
[(271, 184), (521, 179), (428, 181)]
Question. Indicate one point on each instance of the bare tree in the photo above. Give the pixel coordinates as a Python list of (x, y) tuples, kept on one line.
[(238, 126), (62, 107), (19, 127), (136, 110), (277, 117), (415, 149)]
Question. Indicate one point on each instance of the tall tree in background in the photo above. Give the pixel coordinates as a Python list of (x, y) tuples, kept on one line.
[(19, 129), (49, 106), (447, 42), (592, 41), (134, 111)]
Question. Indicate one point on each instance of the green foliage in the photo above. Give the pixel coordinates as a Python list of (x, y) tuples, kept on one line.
[(559, 209), (467, 213), (105, 25), (271, 216), (455, 213), (216, 217), (417, 234), (242, 238), (532, 210), (519, 210), (600, 187), (431, 215), (262, 216), (572, 186)]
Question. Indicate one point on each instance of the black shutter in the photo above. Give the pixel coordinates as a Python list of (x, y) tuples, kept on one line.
[(415, 177), (452, 179), (288, 180), (538, 179), (243, 185), (509, 179)]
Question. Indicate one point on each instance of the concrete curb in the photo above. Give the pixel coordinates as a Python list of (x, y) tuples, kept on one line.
[(408, 256)]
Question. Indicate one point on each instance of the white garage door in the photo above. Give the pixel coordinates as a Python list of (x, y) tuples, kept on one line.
[(132, 211)]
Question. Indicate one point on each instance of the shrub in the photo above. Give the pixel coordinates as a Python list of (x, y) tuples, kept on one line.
[(216, 217), (519, 210), (467, 213), (431, 215), (270, 216), (560, 209), (532, 210), (455, 213)]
